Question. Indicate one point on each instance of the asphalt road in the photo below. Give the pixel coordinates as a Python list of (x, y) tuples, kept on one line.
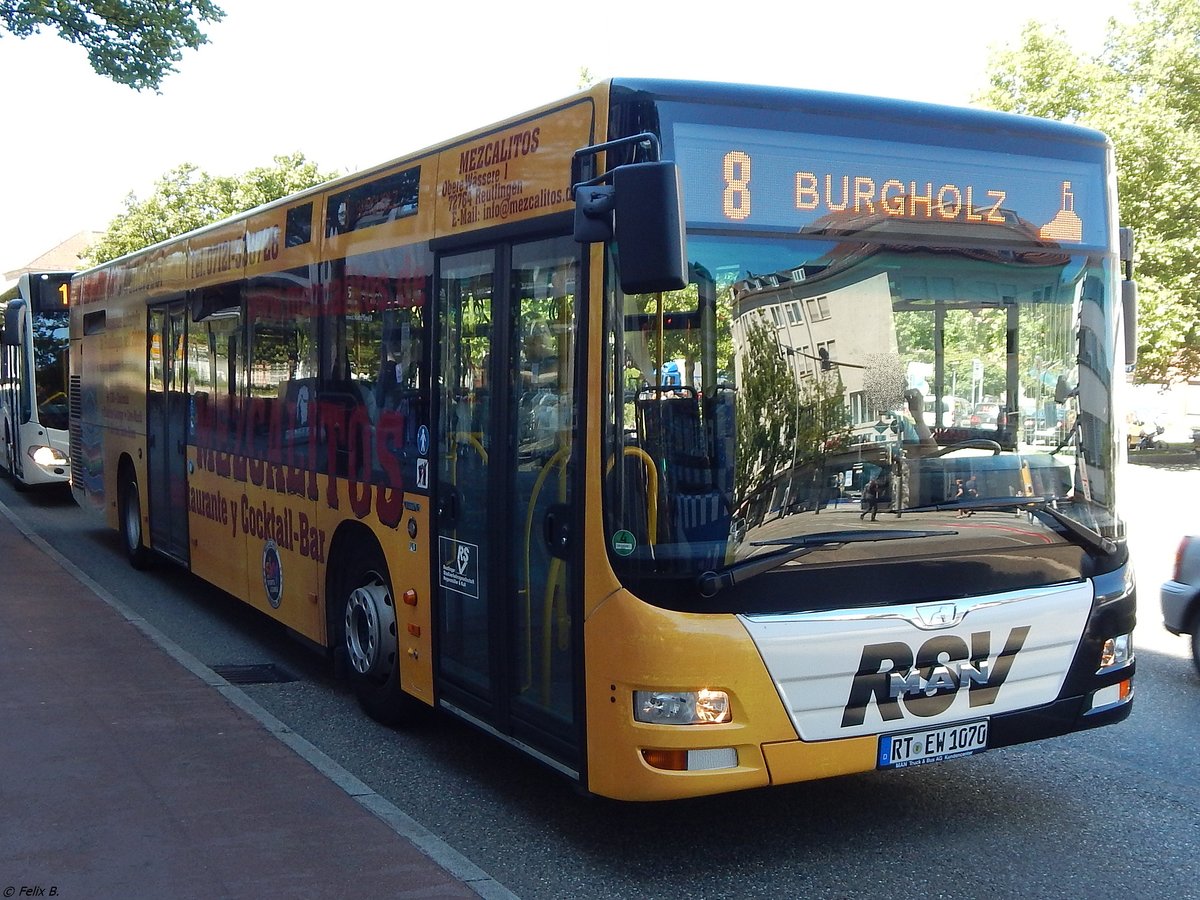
[(1099, 813)]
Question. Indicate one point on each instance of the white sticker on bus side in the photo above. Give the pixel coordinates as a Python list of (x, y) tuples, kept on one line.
[(459, 566)]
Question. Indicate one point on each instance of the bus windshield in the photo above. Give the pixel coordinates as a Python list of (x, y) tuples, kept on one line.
[(50, 368), (802, 387)]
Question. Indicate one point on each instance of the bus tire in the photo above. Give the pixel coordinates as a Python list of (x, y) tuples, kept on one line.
[(18, 482), (368, 639), (10, 464), (129, 507)]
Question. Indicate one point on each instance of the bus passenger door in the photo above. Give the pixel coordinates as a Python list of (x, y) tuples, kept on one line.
[(13, 386), (166, 430), (507, 563)]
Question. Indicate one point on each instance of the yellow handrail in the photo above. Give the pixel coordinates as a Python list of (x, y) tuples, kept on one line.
[(558, 459), (651, 489)]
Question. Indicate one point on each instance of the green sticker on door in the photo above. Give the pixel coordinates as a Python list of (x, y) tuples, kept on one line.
[(624, 543)]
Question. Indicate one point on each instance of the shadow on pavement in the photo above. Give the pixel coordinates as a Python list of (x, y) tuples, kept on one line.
[(1173, 460)]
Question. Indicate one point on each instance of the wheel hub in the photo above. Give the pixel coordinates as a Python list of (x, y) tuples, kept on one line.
[(369, 619)]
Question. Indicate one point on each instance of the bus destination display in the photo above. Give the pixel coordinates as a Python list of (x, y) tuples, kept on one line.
[(822, 184)]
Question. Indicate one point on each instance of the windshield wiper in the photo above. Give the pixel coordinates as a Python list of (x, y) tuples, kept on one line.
[(712, 582), (1089, 537)]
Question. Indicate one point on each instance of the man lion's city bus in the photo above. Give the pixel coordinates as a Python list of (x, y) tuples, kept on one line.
[(33, 379), (563, 427)]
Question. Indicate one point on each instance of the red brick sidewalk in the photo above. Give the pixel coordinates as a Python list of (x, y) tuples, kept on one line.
[(122, 774)]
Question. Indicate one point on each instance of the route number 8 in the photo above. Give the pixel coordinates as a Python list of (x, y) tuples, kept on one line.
[(735, 201)]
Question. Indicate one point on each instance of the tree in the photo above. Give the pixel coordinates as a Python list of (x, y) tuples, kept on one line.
[(1141, 90), (133, 42), (187, 197)]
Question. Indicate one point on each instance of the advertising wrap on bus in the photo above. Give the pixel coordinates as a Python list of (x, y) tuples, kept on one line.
[(512, 175)]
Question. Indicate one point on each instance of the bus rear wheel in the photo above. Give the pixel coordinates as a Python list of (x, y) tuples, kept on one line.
[(129, 508), (369, 640)]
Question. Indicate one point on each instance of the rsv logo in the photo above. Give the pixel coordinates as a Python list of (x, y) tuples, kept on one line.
[(927, 682)]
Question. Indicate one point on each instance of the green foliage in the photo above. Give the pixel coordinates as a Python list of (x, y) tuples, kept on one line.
[(187, 197), (1143, 90), (785, 426), (133, 42)]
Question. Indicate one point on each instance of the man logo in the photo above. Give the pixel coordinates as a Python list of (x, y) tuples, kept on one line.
[(464, 558), (942, 615)]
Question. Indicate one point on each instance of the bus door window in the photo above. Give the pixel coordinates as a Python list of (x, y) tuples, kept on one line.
[(466, 295), (544, 279)]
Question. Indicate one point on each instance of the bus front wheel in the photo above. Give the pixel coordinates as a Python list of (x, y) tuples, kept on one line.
[(130, 508), (369, 641)]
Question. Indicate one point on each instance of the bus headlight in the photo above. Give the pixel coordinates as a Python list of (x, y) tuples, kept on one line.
[(46, 456), (1117, 652), (702, 707)]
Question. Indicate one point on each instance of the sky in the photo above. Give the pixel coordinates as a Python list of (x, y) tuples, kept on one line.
[(354, 83)]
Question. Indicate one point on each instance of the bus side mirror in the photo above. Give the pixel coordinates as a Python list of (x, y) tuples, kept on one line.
[(648, 227), (1129, 304), (1129, 295), (14, 317), (643, 211)]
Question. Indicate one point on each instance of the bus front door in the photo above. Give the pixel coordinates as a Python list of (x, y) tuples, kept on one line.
[(166, 430), (506, 568), (14, 384)]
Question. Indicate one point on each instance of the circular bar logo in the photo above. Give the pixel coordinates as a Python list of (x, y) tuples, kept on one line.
[(272, 572)]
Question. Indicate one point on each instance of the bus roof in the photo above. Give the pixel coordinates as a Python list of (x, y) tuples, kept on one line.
[(998, 126), (855, 105)]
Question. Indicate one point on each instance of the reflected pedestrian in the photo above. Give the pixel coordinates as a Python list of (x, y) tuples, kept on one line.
[(870, 500)]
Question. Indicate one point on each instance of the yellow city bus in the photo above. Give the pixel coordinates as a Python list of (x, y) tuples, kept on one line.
[(604, 429)]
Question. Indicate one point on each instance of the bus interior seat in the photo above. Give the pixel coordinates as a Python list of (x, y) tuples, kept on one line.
[(671, 431), (674, 435)]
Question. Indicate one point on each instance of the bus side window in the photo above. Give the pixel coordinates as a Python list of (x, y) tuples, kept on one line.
[(281, 358), (213, 380)]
